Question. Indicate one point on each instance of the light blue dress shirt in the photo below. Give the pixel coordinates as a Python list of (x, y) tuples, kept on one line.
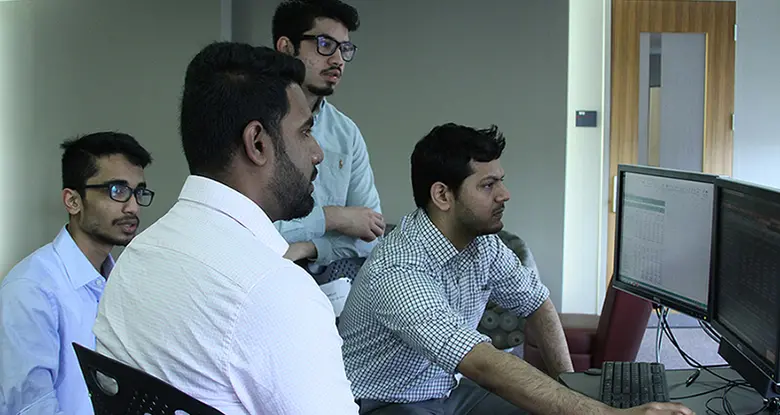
[(345, 179), (48, 301)]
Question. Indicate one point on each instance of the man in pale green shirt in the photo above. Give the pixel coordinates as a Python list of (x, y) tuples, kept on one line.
[(347, 217)]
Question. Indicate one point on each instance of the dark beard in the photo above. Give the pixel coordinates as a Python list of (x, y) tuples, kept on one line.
[(93, 229), (109, 240), (472, 224), (291, 189), (321, 91)]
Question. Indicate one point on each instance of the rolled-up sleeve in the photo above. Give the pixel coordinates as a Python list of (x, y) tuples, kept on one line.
[(361, 192), (29, 350), (516, 287), (334, 246), (303, 229), (410, 305)]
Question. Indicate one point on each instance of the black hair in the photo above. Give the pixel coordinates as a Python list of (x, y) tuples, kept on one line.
[(227, 86), (444, 154), (294, 17), (80, 155)]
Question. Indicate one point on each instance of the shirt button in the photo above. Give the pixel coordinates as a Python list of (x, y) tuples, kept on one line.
[(99, 282)]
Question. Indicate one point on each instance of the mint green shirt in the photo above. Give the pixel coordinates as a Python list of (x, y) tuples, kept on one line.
[(345, 179)]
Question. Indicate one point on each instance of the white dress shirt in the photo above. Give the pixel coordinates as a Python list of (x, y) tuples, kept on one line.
[(204, 300)]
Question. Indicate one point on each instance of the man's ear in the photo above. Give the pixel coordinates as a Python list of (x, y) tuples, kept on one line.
[(285, 45), (72, 201), (441, 196), (257, 143)]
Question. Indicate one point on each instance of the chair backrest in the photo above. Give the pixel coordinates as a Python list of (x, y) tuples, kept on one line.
[(519, 247), (136, 392), (622, 326)]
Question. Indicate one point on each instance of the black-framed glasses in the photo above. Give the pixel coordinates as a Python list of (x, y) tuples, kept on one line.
[(122, 192), (327, 46)]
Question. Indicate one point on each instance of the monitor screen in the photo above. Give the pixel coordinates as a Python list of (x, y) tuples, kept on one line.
[(664, 235), (746, 269)]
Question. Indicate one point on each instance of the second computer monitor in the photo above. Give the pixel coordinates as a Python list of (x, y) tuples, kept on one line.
[(663, 236), (746, 274)]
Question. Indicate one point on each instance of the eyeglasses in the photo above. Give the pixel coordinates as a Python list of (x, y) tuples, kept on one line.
[(121, 192), (327, 46)]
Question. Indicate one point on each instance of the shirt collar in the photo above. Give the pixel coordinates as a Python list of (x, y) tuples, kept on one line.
[(228, 201), (80, 271), (318, 109), (439, 248)]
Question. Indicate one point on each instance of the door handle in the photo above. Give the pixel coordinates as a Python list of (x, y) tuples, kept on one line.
[(614, 194)]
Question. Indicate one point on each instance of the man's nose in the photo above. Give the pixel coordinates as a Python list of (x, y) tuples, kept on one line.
[(131, 206), (318, 155), (336, 59), (504, 195)]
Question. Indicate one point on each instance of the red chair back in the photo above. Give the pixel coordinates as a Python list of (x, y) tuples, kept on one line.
[(622, 326)]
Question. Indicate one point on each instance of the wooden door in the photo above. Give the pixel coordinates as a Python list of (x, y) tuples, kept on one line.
[(716, 20)]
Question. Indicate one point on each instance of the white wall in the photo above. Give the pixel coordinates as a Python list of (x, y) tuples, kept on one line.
[(80, 66), (586, 151), (13, 114), (460, 61), (757, 88)]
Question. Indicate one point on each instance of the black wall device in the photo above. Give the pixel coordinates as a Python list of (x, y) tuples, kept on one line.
[(586, 118)]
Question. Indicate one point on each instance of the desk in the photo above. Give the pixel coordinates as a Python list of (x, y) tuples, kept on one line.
[(742, 400)]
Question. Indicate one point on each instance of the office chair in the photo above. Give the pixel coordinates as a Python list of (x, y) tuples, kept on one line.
[(615, 335), (138, 392)]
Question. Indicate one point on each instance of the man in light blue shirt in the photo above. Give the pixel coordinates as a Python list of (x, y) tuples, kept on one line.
[(347, 217), (50, 299)]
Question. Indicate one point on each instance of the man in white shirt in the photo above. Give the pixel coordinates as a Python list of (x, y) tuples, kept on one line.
[(204, 299)]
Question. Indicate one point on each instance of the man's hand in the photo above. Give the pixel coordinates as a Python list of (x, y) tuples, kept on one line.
[(301, 250), (658, 408), (357, 222)]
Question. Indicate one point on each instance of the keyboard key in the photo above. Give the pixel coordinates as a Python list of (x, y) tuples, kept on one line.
[(630, 384)]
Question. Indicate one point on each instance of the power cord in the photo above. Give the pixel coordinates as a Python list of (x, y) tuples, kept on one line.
[(686, 357), (726, 405), (659, 310), (730, 383), (707, 328)]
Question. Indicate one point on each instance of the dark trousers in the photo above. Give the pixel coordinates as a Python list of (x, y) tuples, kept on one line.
[(467, 398)]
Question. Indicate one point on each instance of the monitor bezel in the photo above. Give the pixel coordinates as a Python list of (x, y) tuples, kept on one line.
[(657, 298), (772, 371)]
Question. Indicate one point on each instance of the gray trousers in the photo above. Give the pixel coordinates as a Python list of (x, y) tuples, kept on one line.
[(467, 398)]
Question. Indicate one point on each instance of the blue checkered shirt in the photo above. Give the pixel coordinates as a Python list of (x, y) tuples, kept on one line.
[(413, 311)]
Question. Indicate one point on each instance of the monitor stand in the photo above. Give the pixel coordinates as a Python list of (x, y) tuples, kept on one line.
[(773, 405)]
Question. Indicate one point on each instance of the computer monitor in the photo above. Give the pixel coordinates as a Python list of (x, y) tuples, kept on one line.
[(745, 279), (663, 236)]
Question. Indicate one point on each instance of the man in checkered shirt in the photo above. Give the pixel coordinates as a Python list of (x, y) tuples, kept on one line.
[(409, 324)]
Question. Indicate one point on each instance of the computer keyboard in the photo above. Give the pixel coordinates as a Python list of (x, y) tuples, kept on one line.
[(629, 384)]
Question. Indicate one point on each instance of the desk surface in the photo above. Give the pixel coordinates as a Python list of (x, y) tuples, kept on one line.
[(742, 399)]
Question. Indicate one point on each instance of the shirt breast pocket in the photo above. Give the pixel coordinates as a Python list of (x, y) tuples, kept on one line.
[(332, 184), (483, 284), (484, 292)]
